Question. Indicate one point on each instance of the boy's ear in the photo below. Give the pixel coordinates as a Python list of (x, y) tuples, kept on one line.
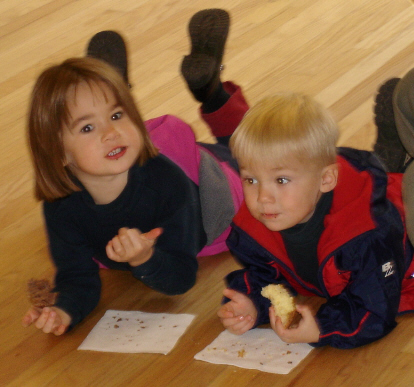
[(329, 178)]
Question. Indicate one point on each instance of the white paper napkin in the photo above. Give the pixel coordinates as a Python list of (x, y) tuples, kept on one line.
[(136, 332), (259, 349)]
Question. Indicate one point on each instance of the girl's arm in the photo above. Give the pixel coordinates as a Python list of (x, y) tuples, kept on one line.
[(48, 319), (77, 279), (161, 197), (173, 266)]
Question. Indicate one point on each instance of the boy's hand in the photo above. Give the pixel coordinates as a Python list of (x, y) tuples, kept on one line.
[(239, 314), (49, 319), (131, 246), (307, 331)]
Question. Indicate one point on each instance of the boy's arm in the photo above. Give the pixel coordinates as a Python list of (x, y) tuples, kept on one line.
[(238, 315), (246, 282), (366, 309), (258, 273)]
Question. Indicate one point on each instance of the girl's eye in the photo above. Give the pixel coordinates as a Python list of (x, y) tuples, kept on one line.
[(87, 129), (282, 180), (250, 180), (116, 116)]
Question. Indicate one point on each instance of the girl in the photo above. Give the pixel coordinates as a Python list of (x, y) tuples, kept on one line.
[(119, 193)]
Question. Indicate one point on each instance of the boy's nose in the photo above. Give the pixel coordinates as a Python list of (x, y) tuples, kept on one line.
[(265, 195)]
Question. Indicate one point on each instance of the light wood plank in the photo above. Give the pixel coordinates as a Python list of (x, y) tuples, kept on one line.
[(338, 51)]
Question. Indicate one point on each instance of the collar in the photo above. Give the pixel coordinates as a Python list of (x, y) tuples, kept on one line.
[(349, 216)]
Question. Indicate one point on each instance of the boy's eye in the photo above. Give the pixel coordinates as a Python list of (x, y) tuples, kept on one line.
[(282, 180), (250, 180), (116, 116), (87, 129)]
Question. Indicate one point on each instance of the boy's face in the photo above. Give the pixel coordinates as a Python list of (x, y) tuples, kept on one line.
[(282, 196), (100, 141)]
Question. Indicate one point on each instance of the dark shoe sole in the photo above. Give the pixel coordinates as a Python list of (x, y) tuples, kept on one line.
[(208, 31)]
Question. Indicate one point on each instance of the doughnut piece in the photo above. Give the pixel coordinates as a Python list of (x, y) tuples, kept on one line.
[(40, 293), (282, 301)]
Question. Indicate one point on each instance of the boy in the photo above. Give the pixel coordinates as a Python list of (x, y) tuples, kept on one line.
[(323, 224)]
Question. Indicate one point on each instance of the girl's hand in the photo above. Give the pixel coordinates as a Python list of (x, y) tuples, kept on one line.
[(131, 246), (239, 314), (307, 331), (49, 319)]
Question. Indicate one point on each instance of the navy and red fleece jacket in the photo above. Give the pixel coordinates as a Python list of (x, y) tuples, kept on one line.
[(363, 253)]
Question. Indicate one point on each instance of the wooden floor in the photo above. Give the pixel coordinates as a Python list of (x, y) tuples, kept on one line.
[(336, 50)]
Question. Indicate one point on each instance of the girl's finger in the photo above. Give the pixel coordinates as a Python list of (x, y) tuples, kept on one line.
[(127, 244), (41, 321), (50, 322), (60, 330), (117, 246), (154, 233)]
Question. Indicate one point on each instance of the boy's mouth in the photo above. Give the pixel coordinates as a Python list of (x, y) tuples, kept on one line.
[(269, 216)]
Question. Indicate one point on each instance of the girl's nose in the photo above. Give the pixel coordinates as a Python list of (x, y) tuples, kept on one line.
[(110, 133)]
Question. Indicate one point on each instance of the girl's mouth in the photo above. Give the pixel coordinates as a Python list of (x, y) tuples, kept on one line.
[(116, 153)]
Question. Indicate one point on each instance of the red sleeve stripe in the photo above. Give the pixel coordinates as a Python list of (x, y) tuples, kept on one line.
[(247, 283), (349, 334)]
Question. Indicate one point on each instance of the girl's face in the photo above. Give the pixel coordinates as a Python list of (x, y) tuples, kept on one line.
[(100, 140)]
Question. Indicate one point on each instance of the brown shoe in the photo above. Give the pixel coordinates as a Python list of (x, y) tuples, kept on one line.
[(208, 30)]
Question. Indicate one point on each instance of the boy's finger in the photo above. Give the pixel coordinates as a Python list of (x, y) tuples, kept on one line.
[(224, 312), (276, 323), (304, 311), (229, 293), (232, 321), (241, 325)]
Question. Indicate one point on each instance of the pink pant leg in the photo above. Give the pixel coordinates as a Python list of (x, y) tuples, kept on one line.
[(224, 121)]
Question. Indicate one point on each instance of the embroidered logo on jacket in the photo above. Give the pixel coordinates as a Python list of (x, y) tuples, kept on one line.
[(388, 268)]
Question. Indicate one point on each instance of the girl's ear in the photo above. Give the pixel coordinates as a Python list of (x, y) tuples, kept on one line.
[(329, 178)]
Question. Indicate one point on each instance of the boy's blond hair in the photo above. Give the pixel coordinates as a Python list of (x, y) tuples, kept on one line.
[(49, 112), (286, 126)]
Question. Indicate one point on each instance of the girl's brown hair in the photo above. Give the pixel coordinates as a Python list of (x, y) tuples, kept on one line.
[(49, 112)]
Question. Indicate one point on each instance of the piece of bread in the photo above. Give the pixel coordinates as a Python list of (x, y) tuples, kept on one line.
[(282, 301), (40, 293)]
